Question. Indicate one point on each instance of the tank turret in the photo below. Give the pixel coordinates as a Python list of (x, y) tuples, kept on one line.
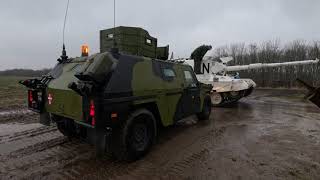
[(229, 88)]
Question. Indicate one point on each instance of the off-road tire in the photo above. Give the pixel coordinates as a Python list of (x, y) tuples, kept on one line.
[(216, 99), (235, 94), (206, 109), (135, 137)]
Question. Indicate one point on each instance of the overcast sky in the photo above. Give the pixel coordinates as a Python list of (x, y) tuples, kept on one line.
[(31, 31)]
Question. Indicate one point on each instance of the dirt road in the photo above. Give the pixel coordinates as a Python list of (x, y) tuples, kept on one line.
[(273, 134)]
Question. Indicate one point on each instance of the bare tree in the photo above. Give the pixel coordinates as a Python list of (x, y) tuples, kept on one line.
[(272, 51)]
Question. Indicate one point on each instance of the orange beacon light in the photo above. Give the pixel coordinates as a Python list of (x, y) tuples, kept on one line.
[(84, 50)]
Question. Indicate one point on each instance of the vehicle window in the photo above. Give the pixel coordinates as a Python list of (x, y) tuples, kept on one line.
[(148, 41), (76, 68), (110, 36), (189, 79), (169, 73)]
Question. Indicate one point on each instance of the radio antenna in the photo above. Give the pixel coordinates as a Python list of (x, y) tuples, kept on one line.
[(64, 56), (65, 20), (114, 24), (114, 13)]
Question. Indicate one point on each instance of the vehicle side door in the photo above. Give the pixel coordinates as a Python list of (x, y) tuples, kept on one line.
[(173, 91), (191, 92)]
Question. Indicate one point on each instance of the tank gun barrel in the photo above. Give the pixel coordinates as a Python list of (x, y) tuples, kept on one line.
[(269, 65)]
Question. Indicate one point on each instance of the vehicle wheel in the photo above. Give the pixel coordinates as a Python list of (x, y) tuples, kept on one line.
[(216, 98), (235, 94), (206, 110), (136, 136)]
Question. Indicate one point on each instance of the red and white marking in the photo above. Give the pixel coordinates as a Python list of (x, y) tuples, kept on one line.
[(50, 99)]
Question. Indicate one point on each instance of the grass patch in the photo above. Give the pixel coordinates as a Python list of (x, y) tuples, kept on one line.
[(12, 94)]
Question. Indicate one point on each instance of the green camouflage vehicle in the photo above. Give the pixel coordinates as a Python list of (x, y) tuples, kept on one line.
[(117, 99)]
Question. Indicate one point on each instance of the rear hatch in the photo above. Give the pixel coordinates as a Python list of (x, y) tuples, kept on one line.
[(61, 100), (66, 102)]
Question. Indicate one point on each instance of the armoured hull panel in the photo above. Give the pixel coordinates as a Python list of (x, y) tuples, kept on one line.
[(226, 83), (61, 100), (227, 89)]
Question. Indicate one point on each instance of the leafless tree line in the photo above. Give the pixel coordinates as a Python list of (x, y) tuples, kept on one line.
[(273, 51)]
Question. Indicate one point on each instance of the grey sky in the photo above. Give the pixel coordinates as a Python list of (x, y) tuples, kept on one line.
[(31, 31)]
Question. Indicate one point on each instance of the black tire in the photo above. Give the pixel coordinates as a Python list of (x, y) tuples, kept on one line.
[(206, 109), (135, 137), (235, 94)]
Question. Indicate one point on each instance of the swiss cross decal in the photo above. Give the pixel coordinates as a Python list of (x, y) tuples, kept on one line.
[(49, 99)]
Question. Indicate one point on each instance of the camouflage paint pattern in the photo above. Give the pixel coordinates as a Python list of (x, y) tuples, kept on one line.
[(138, 80), (65, 102)]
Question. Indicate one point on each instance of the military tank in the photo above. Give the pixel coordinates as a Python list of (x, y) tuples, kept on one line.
[(228, 88)]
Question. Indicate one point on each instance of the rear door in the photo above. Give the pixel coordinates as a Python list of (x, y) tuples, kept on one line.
[(191, 92)]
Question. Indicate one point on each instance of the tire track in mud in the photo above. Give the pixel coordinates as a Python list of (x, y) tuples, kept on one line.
[(42, 152), (45, 154), (198, 150), (19, 140), (12, 104), (87, 166), (43, 158), (41, 146), (27, 133), (22, 115), (15, 112), (172, 167), (27, 142), (39, 152)]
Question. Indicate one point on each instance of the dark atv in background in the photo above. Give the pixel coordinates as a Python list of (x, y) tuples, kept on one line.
[(117, 99)]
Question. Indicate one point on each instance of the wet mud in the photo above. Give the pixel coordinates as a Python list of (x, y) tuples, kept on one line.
[(273, 134)]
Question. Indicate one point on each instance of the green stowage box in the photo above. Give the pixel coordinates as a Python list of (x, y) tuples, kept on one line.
[(131, 40)]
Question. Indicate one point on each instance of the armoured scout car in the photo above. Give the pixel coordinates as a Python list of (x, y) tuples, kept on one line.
[(118, 98)]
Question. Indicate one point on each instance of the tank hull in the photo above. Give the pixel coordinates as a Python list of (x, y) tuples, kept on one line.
[(227, 98), (227, 89)]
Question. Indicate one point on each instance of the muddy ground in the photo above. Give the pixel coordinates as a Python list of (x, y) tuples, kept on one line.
[(273, 134)]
